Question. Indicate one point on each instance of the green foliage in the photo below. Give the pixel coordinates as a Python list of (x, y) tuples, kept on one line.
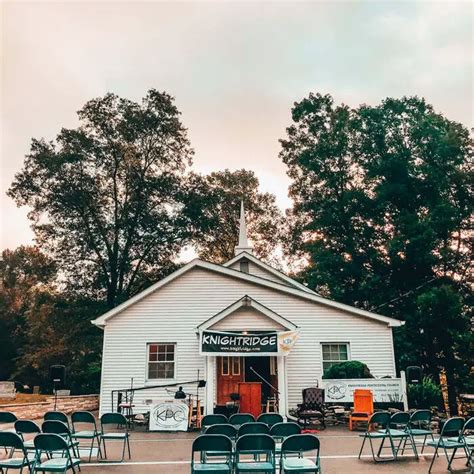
[(425, 395), (351, 369), (383, 199), (107, 198), (218, 196)]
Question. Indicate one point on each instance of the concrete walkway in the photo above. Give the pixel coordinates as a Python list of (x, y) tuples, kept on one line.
[(170, 453)]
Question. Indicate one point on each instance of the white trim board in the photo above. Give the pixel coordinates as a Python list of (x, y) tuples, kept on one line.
[(196, 263)]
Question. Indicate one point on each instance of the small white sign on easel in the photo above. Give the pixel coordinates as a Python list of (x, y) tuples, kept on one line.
[(169, 416)]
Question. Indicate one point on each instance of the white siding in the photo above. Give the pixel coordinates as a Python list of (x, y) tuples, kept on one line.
[(249, 319), (256, 270), (172, 313)]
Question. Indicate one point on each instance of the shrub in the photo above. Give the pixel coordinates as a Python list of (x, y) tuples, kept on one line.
[(352, 369), (426, 394)]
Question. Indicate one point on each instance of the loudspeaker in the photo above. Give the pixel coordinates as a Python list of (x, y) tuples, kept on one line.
[(57, 374), (414, 374)]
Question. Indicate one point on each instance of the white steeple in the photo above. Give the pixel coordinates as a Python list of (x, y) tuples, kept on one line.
[(243, 245)]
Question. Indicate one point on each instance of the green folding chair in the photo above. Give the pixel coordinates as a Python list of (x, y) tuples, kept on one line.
[(398, 430), (61, 429), (56, 416), (270, 419), (447, 441), (59, 457), (13, 442), (209, 420), (292, 451), (250, 449), (377, 429), (225, 429), (88, 419), (280, 431), (7, 418), (116, 419), (253, 428), (27, 427), (468, 438), (420, 425), (216, 443), (238, 419)]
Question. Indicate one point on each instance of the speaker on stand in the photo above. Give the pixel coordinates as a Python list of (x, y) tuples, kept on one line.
[(414, 374), (57, 374)]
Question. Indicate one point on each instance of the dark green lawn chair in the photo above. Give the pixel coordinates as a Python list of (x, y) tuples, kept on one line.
[(253, 428), (209, 420), (58, 454), (238, 419), (92, 433), (7, 418), (280, 431), (270, 419), (61, 429), (27, 427), (420, 425), (292, 451), (223, 429), (116, 419), (377, 430), (216, 443), (13, 442), (398, 431), (447, 441), (468, 438), (255, 453)]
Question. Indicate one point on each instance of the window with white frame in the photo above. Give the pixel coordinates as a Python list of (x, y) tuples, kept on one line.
[(161, 361), (334, 353)]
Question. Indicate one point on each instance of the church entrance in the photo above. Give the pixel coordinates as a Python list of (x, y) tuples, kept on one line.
[(254, 379)]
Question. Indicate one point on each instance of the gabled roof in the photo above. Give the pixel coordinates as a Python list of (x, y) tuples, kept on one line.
[(269, 269), (196, 263), (246, 302)]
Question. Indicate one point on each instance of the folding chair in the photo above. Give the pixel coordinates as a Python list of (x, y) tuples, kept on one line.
[(468, 437), (312, 407), (280, 431), (56, 416), (238, 419), (256, 446), (398, 430), (51, 443), (6, 418), (116, 419), (26, 427), (292, 450), (270, 419), (420, 425), (215, 443), (209, 420), (86, 418), (11, 442), (447, 442), (363, 407), (377, 428), (61, 429), (253, 428), (223, 429)]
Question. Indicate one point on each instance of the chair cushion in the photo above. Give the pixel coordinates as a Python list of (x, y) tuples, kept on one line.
[(13, 463), (446, 443), (57, 463), (298, 464), (84, 434), (114, 435), (255, 466), (211, 467)]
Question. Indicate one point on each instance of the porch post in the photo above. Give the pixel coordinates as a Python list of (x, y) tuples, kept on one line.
[(282, 402), (210, 377)]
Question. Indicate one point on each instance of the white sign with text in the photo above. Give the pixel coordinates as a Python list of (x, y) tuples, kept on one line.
[(169, 417), (342, 390)]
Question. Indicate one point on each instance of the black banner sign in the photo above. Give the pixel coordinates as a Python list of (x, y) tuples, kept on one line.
[(216, 342)]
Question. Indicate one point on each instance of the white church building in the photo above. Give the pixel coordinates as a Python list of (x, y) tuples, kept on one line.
[(231, 325)]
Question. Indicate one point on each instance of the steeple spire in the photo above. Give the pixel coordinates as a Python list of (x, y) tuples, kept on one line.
[(243, 245)]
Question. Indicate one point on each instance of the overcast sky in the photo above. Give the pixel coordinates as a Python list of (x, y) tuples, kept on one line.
[(234, 68)]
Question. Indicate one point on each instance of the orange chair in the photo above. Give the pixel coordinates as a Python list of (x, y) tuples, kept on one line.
[(363, 407)]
